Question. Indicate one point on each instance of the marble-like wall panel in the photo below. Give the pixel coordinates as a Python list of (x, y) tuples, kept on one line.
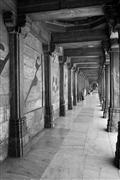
[(55, 84)]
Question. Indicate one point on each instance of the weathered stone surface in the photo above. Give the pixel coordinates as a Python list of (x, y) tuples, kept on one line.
[(55, 80), (33, 73), (114, 112), (117, 153)]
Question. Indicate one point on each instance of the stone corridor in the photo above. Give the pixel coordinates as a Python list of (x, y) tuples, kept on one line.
[(77, 148)]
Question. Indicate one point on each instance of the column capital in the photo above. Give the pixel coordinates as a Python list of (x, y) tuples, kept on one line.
[(74, 68), (9, 20)]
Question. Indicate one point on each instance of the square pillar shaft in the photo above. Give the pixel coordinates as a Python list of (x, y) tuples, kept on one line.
[(70, 104), (48, 117), (62, 100), (74, 88), (117, 153), (114, 110), (17, 125), (107, 89)]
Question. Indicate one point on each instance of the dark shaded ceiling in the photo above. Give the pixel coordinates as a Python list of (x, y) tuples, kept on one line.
[(79, 26)]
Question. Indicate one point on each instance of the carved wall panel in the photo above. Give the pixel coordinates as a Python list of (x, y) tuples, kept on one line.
[(33, 84), (55, 84)]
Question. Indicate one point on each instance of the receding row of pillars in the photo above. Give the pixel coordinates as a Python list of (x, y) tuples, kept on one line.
[(109, 92), (75, 87)]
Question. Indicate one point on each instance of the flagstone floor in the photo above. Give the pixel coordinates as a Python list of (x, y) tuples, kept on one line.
[(78, 148)]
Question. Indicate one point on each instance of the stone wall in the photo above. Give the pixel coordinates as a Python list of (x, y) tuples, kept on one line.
[(4, 90)]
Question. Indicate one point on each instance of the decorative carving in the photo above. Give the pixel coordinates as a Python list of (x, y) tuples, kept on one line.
[(34, 82), (112, 15), (14, 23), (9, 20)]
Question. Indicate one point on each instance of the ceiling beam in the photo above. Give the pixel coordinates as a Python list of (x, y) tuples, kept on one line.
[(85, 60), (30, 6), (91, 71), (86, 68), (87, 64), (83, 52), (90, 74), (79, 36), (68, 13), (100, 23)]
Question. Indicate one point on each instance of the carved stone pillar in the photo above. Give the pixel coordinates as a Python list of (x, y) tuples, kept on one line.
[(78, 85), (100, 90), (62, 101), (114, 110), (70, 104), (117, 153), (48, 117), (103, 88), (108, 86), (82, 86), (105, 112), (74, 87), (17, 123)]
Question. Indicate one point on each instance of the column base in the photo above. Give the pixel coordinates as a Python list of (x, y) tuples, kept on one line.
[(48, 118), (62, 109), (114, 118), (18, 137), (117, 153)]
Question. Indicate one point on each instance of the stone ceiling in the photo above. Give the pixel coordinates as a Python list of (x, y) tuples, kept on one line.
[(79, 26)]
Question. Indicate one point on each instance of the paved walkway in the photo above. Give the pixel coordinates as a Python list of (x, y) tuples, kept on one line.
[(78, 148)]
